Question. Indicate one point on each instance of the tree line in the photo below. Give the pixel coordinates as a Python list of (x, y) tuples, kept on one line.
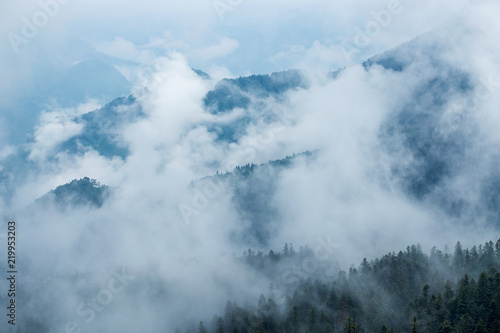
[(408, 291)]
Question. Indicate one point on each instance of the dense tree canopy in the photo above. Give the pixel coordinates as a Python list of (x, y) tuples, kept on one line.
[(408, 291)]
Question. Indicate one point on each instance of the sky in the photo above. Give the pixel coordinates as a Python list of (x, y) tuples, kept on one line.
[(345, 198), (242, 36), (225, 38)]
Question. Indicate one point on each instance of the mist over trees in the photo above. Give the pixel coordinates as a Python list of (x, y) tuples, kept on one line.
[(407, 291)]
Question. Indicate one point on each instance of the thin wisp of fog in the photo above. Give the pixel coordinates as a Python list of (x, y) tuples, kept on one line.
[(246, 166)]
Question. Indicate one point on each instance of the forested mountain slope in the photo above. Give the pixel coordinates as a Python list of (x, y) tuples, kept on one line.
[(445, 292)]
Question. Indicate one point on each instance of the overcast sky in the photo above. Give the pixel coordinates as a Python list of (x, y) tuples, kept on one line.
[(222, 37), (240, 35)]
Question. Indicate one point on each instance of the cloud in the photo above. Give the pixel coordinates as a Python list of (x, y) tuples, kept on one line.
[(317, 57), (225, 47), (123, 49), (54, 129)]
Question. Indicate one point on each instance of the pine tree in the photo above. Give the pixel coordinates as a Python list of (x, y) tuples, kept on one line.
[(458, 258), (220, 325), (414, 325), (229, 316), (365, 267), (350, 326), (497, 250), (462, 301), (201, 328), (333, 300), (474, 255), (466, 324), (480, 328), (312, 320), (483, 293), (493, 323), (445, 328), (488, 258), (495, 327), (448, 293), (286, 252), (295, 319), (324, 323)]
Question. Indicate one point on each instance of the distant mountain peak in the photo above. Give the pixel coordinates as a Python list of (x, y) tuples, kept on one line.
[(77, 193)]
